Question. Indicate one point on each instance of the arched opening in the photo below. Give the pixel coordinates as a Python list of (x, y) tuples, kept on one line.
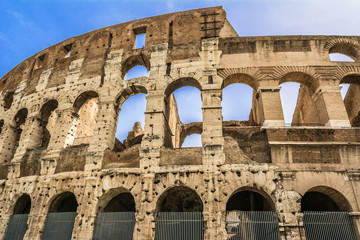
[(7, 101), (352, 97), (344, 51), (137, 63), (136, 72), (179, 215), (190, 135), (61, 217), (317, 201), (15, 133), (17, 225), (47, 121), (131, 106), (183, 106), (84, 119), (289, 93), (23, 205), (237, 103), (305, 111), (116, 217), (326, 214), (131, 121), (251, 215), (249, 201)]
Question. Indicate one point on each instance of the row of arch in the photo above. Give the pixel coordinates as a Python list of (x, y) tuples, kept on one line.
[(85, 109), (175, 199)]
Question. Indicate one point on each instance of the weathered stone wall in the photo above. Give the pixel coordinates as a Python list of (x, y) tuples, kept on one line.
[(85, 76)]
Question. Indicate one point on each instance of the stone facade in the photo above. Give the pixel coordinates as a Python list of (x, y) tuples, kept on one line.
[(60, 108)]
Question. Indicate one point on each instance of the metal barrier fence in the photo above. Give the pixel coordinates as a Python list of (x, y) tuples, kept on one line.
[(252, 225), (328, 225), (114, 225), (179, 226), (59, 226), (17, 227)]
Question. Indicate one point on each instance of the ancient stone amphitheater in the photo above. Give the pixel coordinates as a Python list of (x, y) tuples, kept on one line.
[(64, 175)]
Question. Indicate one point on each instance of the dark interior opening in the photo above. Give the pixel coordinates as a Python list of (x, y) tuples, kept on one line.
[(316, 201), (248, 201), (180, 199), (23, 205), (1, 125), (8, 99), (65, 202), (123, 202)]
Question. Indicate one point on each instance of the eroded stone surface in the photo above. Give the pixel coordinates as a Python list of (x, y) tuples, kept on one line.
[(71, 146)]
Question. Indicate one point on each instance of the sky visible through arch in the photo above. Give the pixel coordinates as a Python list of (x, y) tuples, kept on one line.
[(28, 26)]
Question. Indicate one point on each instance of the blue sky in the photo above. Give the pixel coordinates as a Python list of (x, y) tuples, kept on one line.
[(28, 26)]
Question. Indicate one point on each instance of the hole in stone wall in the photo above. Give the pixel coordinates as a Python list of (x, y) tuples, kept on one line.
[(67, 50), (39, 61), (248, 201), (140, 37), (8, 100), (180, 199), (237, 102), (130, 122), (289, 96), (171, 35), (65, 202), (136, 72), (22, 205), (140, 40)]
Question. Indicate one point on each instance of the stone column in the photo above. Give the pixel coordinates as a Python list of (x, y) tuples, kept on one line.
[(7, 144), (154, 130), (270, 106), (330, 106), (212, 137), (356, 220), (86, 212), (145, 215), (36, 219), (104, 134)]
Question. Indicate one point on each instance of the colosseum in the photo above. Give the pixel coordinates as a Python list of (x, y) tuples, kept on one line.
[(64, 174)]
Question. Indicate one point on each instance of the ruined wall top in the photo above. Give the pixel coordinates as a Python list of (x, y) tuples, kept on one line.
[(186, 28), (183, 33)]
